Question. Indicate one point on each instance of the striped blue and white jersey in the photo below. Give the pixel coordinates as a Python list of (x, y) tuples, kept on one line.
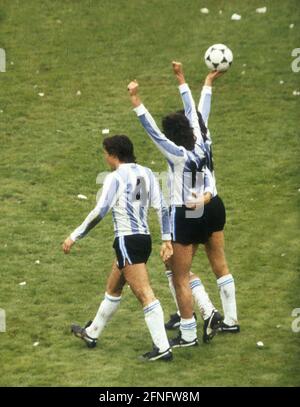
[(129, 191), (191, 114), (186, 168)]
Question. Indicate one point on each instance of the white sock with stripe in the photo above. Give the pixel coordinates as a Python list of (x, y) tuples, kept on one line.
[(227, 293), (154, 318), (188, 329), (169, 275), (105, 312), (201, 298)]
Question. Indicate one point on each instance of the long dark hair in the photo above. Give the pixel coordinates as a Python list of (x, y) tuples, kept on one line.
[(202, 126), (121, 147), (176, 128)]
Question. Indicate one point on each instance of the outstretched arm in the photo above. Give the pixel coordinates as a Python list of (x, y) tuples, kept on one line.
[(169, 149), (110, 193), (187, 100), (205, 98)]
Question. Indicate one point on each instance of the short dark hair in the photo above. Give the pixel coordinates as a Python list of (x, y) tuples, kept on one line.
[(121, 147), (176, 128)]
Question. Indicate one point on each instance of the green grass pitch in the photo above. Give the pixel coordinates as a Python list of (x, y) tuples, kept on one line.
[(50, 151)]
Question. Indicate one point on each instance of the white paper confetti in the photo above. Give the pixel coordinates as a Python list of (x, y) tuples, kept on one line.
[(261, 10), (220, 12), (80, 196), (37, 262), (36, 344), (278, 326), (105, 131), (78, 93), (296, 93), (282, 254), (41, 94), (236, 17), (23, 283), (292, 25), (281, 82), (260, 344), (204, 10)]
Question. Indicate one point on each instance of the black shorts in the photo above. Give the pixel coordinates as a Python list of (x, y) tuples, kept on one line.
[(132, 248), (216, 214), (198, 230)]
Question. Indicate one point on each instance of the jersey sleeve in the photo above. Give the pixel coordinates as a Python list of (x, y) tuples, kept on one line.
[(205, 103), (190, 111), (169, 149), (110, 193), (158, 203)]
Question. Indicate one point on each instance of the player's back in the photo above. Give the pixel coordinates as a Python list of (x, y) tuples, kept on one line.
[(134, 198)]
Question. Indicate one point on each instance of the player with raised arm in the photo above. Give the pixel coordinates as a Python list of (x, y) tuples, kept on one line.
[(186, 161), (215, 247), (129, 191), (216, 217)]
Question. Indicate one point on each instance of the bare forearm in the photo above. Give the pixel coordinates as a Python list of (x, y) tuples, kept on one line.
[(180, 78), (178, 71), (208, 81), (135, 100), (211, 77)]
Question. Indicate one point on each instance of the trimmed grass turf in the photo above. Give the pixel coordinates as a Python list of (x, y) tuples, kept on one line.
[(51, 151)]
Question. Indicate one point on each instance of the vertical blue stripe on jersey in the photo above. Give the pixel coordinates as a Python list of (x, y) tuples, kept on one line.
[(207, 151), (141, 209), (124, 250), (142, 218)]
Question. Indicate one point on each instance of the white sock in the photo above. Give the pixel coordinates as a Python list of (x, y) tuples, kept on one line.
[(169, 275), (105, 312), (201, 298), (188, 329), (154, 318), (227, 293)]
